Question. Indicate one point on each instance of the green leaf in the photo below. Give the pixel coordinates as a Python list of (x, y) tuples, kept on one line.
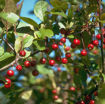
[(11, 37), (18, 44), (30, 21), (28, 41), (5, 56), (46, 33), (40, 44), (40, 9), (70, 36), (45, 71), (10, 17), (1, 51), (60, 13), (27, 53)]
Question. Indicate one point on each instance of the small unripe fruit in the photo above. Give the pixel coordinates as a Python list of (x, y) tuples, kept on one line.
[(76, 41), (64, 60), (83, 52), (96, 42), (35, 73), (51, 62), (10, 73), (59, 69), (22, 53), (54, 46), (90, 46), (19, 67), (98, 36), (27, 64), (42, 60), (63, 40)]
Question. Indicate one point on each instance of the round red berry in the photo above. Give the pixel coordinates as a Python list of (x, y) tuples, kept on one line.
[(96, 42), (98, 36), (72, 88), (95, 93), (67, 48), (27, 64), (51, 62), (76, 41), (62, 31), (10, 73), (42, 60), (59, 69), (60, 43), (83, 52), (68, 55), (64, 60), (82, 102), (92, 102), (54, 46), (8, 81), (58, 58), (54, 91), (104, 41), (63, 40), (7, 85), (22, 53), (19, 67), (35, 73), (55, 97), (33, 63), (90, 46)]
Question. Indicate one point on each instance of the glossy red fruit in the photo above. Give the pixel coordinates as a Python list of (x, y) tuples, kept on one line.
[(96, 42), (68, 55), (60, 43), (82, 102), (55, 97), (54, 91), (63, 40), (27, 64), (98, 36), (10, 73), (62, 31), (19, 67), (92, 102), (95, 93), (7, 85), (72, 88), (104, 41), (22, 53), (8, 81), (58, 58), (76, 70), (54, 46), (90, 46), (51, 62), (64, 60), (42, 60), (35, 73), (73, 45), (33, 63), (76, 41), (67, 48), (83, 52), (59, 69)]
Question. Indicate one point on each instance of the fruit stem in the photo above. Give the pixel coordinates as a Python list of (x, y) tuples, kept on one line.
[(100, 27), (83, 41)]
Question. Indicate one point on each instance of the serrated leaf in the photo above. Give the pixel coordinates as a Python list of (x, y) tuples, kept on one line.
[(28, 41), (10, 17), (40, 9), (30, 21), (1, 50), (18, 43)]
